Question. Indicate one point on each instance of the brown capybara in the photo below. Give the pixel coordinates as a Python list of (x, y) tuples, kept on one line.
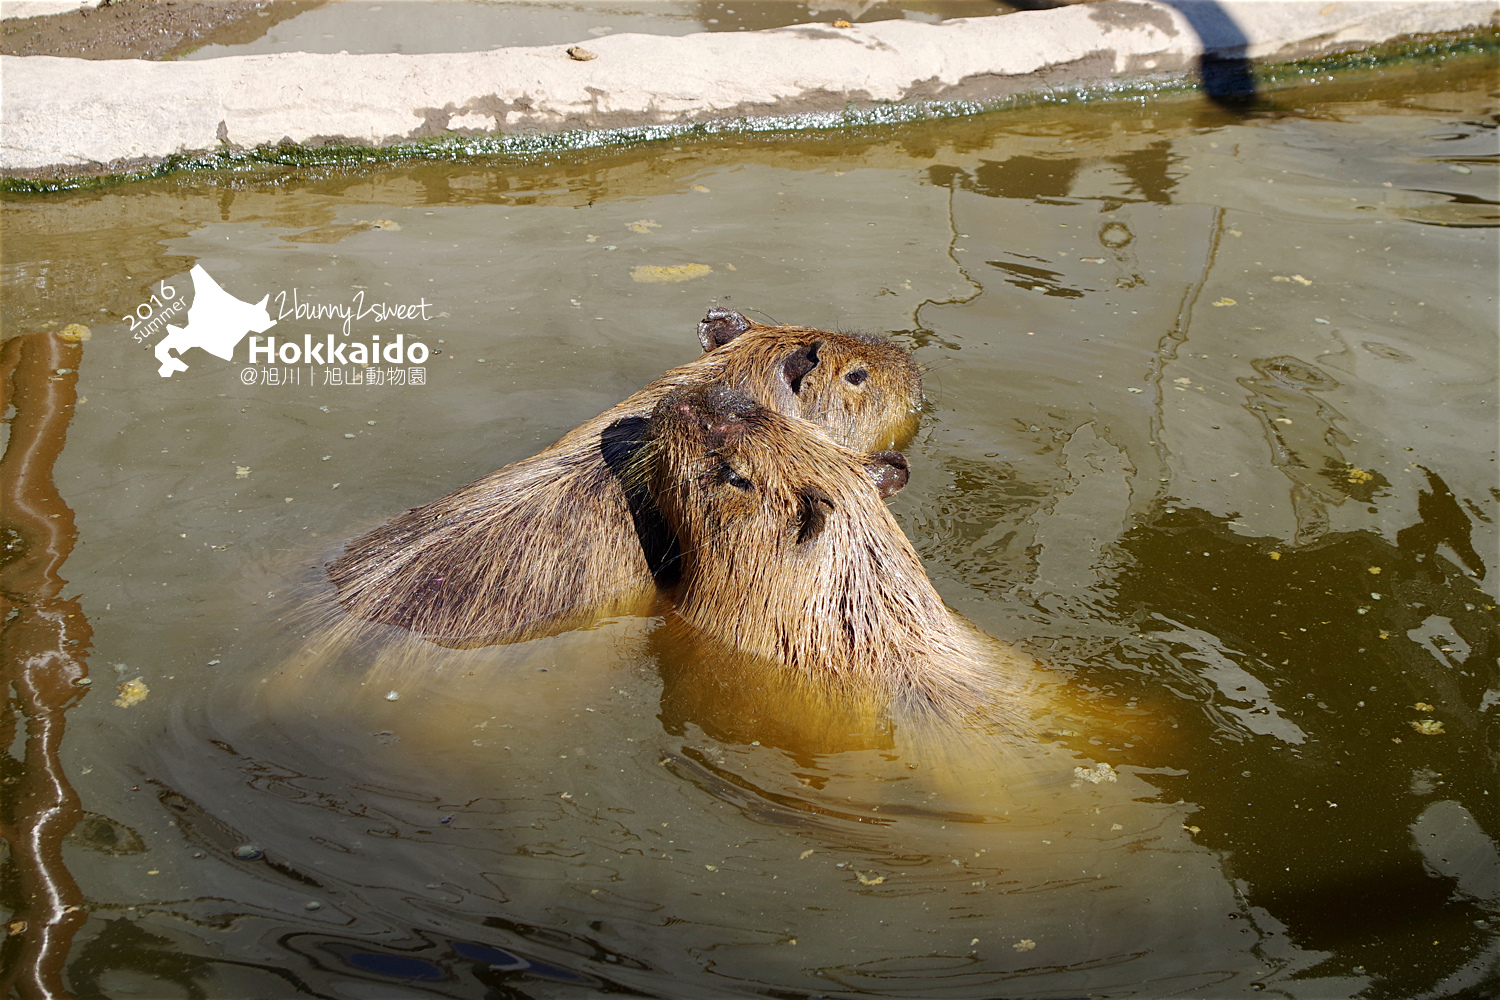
[(553, 541), (790, 557)]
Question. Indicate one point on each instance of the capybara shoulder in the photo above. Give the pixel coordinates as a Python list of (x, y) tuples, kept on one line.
[(554, 540), (790, 555)]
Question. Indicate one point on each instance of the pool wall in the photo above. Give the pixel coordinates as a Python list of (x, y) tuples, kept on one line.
[(64, 116)]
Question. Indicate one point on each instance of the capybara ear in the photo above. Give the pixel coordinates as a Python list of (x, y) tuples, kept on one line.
[(799, 363), (813, 508), (889, 470), (720, 326)]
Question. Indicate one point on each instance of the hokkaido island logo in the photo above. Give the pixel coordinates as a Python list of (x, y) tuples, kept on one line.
[(216, 322)]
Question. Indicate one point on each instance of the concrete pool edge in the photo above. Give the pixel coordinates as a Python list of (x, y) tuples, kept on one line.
[(68, 120)]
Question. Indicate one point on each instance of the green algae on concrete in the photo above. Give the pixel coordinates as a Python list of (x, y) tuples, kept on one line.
[(1395, 56)]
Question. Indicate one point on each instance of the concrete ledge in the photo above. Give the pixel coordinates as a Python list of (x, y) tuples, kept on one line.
[(11, 9), (72, 115)]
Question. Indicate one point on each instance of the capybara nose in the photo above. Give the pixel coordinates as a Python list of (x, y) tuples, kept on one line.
[(721, 326)]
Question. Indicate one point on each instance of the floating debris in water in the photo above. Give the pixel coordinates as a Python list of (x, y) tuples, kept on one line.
[(865, 880), (132, 693), (249, 852), (642, 225), (1025, 944), (393, 696), (1100, 772), (1226, 302), (242, 472), (75, 332), (1427, 727), (652, 274)]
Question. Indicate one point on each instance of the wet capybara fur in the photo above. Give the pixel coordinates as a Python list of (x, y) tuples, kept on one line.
[(553, 541), (789, 556)]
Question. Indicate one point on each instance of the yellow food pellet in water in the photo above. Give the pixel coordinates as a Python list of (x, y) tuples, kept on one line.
[(1427, 727), (76, 332), (1226, 302), (1375, 570), (1422, 706), (804, 855), (652, 274), (1025, 944), (132, 693), (870, 881), (642, 225), (1275, 555)]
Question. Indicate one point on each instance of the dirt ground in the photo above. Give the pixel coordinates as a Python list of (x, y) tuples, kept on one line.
[(146, 29)]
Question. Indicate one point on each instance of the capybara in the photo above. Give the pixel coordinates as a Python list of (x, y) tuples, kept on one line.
[(789, 556), (554, 540)]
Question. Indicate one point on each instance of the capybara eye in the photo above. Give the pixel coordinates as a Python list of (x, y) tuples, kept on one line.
[(739, 482), (857, 376)]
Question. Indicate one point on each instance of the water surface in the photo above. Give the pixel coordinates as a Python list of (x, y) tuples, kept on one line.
[(1211, 434)]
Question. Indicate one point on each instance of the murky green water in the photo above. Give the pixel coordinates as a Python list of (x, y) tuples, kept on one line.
[(1212, 433)]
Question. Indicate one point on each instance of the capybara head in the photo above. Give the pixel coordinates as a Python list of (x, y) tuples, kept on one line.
[(726, 470), (788, 552), (863, 390)]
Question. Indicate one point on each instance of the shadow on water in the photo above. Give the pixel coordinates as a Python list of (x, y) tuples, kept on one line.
[(1370, 676)]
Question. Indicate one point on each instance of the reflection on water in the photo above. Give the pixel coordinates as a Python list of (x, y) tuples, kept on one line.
[(43, 644), (1210, 433)]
